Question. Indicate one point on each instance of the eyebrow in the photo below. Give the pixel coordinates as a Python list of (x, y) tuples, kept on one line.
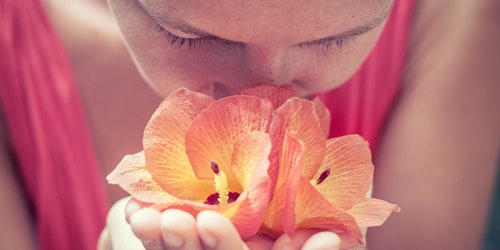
[(172, 23), (175, 24)]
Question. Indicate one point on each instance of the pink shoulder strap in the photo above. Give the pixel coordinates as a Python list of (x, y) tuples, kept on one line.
[(47, 129)]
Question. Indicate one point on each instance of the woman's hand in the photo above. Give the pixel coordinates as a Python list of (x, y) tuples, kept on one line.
[(118, 234), (130, 226), (176, 229)]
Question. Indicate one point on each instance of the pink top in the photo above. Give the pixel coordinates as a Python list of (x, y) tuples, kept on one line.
[(47, 130), (41, 108), (362, 105)]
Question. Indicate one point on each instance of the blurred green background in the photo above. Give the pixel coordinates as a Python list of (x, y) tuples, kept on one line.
[(492, 240)]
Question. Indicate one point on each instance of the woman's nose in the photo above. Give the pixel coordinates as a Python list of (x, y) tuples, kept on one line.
[(253, 66), (266, 65)]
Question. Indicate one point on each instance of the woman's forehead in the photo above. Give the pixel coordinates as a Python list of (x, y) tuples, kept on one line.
[(282, 19)]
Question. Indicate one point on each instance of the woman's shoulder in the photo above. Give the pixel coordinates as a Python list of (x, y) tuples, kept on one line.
[(16, 229), (444, 29), (117, 101)]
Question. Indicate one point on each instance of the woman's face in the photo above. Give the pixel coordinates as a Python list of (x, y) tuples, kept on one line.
[(220, 47)]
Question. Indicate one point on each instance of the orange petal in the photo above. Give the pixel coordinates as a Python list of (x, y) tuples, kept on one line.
[(132, 176), (313, 211), (351, 175), (248, 213), (298, 117), (276, 94), (280, 214), (323, 115), (249, 150), (372, 212), (214, 132), (164, 145)]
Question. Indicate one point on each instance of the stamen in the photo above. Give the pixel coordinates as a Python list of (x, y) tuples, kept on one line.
[(323, 176), (220, 184)]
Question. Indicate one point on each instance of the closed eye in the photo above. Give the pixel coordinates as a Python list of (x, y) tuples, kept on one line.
[(204, 38), (193, 43), (329, 42)]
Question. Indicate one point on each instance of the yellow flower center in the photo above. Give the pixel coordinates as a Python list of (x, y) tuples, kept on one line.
[(222, 195), (220, 184)]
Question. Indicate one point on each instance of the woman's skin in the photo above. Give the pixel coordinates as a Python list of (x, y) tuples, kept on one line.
[(226, 59), (222, 57), (438, 155), (429, 167)]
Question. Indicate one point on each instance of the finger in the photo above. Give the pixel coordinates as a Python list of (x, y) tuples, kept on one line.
[(322, 241), (217, 232), (145, 224), (348, 241), (133, 206), (120, 231), (104, 241), (179, 230), (259, 242), (294, 242), (257, 245)]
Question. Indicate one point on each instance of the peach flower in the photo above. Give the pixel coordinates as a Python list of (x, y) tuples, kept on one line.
[(204, 154), (235, 154), (321, 183)]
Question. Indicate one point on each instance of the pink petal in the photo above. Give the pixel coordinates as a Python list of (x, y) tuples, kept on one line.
[(248, 214), (132, 176), (323, 115), (214, 132), (276, 94), (298, 117), (313, 211), (188, 206), (164, 145), (372, 212), (280, 214), (349, 159)]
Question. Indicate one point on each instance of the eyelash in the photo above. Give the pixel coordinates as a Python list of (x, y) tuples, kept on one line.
[(340, 43), (193, 43)]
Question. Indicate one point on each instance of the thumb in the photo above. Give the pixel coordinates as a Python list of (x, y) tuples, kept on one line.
[(323, 240)]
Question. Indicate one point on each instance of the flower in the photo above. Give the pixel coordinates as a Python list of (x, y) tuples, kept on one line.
[(321, 183), (261, 158), (204, 154)]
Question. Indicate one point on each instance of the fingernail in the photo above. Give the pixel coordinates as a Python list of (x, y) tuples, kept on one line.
[(153, 244), (173, 240), (209, 240)]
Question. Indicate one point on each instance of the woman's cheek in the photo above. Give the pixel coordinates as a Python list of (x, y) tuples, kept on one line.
[(167, 68), (338, 65), (164, 66)]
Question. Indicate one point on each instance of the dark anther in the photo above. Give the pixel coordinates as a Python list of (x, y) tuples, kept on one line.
[(212, 199), (214, 167), (323, 176)]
